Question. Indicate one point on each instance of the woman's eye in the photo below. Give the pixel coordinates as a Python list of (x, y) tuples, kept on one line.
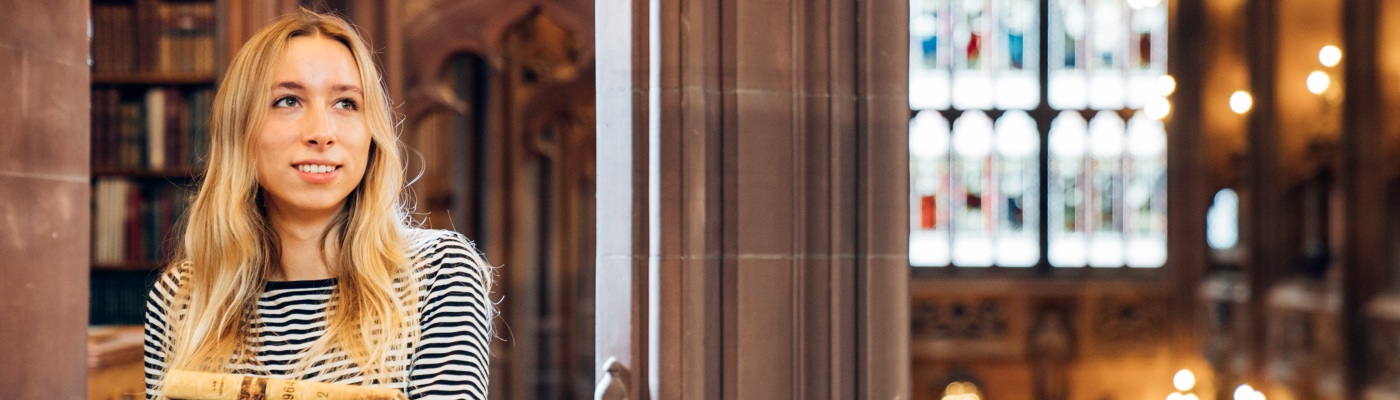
[(347, 104), (286, 102)]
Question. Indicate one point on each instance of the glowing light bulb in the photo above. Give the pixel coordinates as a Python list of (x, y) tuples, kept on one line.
[(1166, 85), (1241, 101), (1318, 82), (1175, 396), (954, 388), (1157, 107), (1184, 380), (1329, 56), (1244, 392)]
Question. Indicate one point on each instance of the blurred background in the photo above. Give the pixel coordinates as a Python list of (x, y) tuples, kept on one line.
[(1108, 199)]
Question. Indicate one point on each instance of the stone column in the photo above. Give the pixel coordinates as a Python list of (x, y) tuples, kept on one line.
[(1268, 259), (1364, 254), (753, 197), (44, 199)]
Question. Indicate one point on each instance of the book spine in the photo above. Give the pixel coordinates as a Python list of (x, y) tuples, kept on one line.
[(147, 34), (155, 127)]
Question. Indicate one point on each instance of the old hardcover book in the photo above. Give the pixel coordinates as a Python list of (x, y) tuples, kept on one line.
[(186, 385)]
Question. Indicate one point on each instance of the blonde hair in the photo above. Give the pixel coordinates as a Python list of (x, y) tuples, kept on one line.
[(229, 248)]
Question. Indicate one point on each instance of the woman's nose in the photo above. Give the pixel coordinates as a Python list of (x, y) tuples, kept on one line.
[(317, 128)]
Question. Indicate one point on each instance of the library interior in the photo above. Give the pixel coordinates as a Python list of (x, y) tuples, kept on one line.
[(894, 199)]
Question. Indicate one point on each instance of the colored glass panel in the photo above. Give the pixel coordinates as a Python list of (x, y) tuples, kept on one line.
[(1068, 137), (928, 156), (973, 182)]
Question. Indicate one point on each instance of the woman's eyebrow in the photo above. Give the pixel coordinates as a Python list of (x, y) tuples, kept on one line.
[(289, 85), (293, 85)]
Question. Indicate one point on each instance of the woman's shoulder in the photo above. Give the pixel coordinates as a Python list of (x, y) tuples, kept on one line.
[(436, 249), (176, 273), (427, 240), (169, 281)]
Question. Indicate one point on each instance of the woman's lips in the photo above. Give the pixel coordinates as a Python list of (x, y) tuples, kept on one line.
[(306, 174)]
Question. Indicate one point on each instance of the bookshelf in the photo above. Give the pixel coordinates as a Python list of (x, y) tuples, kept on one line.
[(149, 78), (154, 69)]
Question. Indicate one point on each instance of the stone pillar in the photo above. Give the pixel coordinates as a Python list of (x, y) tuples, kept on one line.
[(1268, 255), (753, 197), (1364, 254), (44, 199), (1188, 179)]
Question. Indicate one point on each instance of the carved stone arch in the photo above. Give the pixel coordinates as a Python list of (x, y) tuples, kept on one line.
[(557, 101), (420, 103), (442, 31), (432, 38)]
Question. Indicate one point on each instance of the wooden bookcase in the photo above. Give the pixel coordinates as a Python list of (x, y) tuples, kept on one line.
[(154, 67)]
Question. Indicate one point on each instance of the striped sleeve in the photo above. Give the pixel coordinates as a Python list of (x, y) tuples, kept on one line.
[(156, 342), (452, 356)]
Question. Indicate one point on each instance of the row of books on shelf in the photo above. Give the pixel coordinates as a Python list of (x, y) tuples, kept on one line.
[(133, 222), (161, 127), (153, 36), (119, 297)]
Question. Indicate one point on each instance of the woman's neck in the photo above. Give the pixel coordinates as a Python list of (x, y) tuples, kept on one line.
[(302, 247)]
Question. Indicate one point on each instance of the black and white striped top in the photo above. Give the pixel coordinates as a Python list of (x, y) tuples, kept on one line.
[(449, 362)]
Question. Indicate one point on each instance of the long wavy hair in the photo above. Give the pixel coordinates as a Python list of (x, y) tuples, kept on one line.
[(229, 248)]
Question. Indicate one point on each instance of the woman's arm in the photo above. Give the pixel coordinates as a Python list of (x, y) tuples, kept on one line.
[(453, 353)]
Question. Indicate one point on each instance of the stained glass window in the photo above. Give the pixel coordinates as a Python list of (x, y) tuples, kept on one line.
[(974, 54), (930, 30), (1105, 190), (982, 114), (972, 184), (928, 200), (1018, 186), (1145, 192), (1068, 216)]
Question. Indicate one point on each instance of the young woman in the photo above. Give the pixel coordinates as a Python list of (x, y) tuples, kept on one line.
[(298, 260)]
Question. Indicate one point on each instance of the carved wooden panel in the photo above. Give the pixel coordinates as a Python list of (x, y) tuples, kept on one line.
[(971, 319), (968, 325), (1126, 324), (1040, 339)]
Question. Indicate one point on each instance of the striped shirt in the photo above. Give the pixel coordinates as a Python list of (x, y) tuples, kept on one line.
[(449, 362)]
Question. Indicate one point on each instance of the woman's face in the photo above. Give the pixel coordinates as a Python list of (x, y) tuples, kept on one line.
[(313, 147)]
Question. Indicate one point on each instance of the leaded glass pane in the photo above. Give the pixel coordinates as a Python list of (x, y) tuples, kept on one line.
[(1017, 190), (1068, 136), (1105, 172), (1107, 52), (972, 182), (1017, 55), (1145, 194), (1147, 50), (928, 157), (930, 54), (972, 60), (1069, 32)]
